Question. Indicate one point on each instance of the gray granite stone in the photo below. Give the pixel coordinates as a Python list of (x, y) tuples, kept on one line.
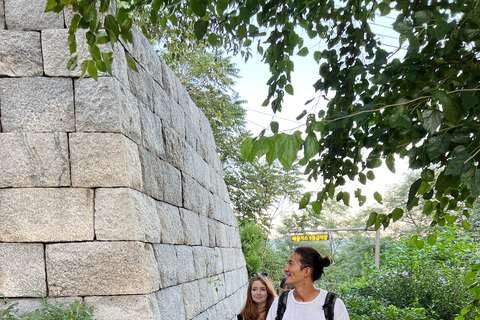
[(142, 86), (138, 307), (185, 259), (46, 215), (21, 54), (152, 132), (22, 270), (178, 120), (2, 16), (204, 232), (211, 232), (172, 184), (229, 257), (167, 264), (31, 15), (191, 299), (191, 223), (200, 261), (171, 224), (104, 160), (112, 268), (34, 160), (126, 214), (152, 174), (173, 148), (220, 236), (162, 104), (106, 106), (169, 83), (170, 301), (37, 104), (195, 197), (241, 263)]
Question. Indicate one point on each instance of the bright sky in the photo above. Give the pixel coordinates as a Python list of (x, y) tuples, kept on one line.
[(252, 87)]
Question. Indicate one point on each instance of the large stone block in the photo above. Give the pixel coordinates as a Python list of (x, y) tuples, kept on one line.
[(173, 148), (152, 132), (170, 301), (21, 54), (162, 104), (185, 259), (46, 215), (152, 174), (31, 15), (142, 86), (107, 106), (191, 299), (126, 214), (169, 83), (191, 224), (104, 160), (2, 16), (200, 260), (171, 224), (138, 307), (56, 54), (172, 184), (34, 160), (101, 268), (167, 264), (204, 232), (22, 270), (37, 104), (195, 197)]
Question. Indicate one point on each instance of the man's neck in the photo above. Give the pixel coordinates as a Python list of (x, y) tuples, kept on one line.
[(305, 292)]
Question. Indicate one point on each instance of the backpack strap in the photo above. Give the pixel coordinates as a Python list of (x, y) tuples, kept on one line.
[(329, 305), (282, 305)]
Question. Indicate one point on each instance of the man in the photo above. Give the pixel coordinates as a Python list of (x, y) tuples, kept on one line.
[(305, 302)]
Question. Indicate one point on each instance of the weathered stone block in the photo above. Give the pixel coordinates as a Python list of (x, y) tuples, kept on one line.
[(162, 104), (126, 214), (195, 197), (37, 104), (46, 215), (200, 261), (191, 134), (106, 106), (21, 54), (34, 160), (211, 232), (152, 132), (169, 83), (191, 299), (191, 223), (143, 52), (220, 236), (217, 260), (204, 232), (112, 268), (22, 270), (167, 264), (229, 257), (173, 148), (170, 301), (241, 263), (178, 119), (170, 222), (138, 307), (185, 259), (104, 160), (152, 174), (142, 85), (2, 16), (31, 15), (172, 184)]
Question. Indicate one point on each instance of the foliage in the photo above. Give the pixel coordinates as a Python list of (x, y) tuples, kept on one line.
[(364, 309), (254, 242), (48, 311), (431, 277)]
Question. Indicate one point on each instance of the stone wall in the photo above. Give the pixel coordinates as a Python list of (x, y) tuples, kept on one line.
[(111, 192)]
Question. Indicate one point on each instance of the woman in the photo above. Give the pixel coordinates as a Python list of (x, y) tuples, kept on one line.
[(260, 296)]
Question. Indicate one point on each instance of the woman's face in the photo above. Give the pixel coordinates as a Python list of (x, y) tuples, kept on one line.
[(259, 292)]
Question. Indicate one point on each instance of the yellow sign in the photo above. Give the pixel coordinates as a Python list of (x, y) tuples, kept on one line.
[(309, 237)]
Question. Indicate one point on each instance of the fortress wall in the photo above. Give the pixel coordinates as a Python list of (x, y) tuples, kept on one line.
[(111, 191)]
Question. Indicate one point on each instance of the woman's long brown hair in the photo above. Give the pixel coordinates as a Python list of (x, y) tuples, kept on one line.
[(250, 311)]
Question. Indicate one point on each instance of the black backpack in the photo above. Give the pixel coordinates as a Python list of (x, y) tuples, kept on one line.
[(327, 307)]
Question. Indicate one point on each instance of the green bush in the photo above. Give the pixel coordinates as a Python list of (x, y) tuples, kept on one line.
[(48, 311), (364, 309)]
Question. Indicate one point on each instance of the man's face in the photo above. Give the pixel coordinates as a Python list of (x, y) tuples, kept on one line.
[(293, 272)]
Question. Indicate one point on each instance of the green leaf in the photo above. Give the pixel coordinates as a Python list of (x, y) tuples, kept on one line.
[(286, 149), (263, 145), (274, 127), (198, 7), (378, 197), (432, 119), (346, 198), (305, 200), (289, 89), (450, 111), (413, 191), (311, 146), (370, 175), (432, 239), (92, 70), (72, 63), (200, 29), (112, 27), (459, 164), (303, 52), (420, 244), (371, 219), (362, 178), (466, 225), (131, 63), (72, 43), (247, 149), (83, 67), (317, 207), (397, 214)]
